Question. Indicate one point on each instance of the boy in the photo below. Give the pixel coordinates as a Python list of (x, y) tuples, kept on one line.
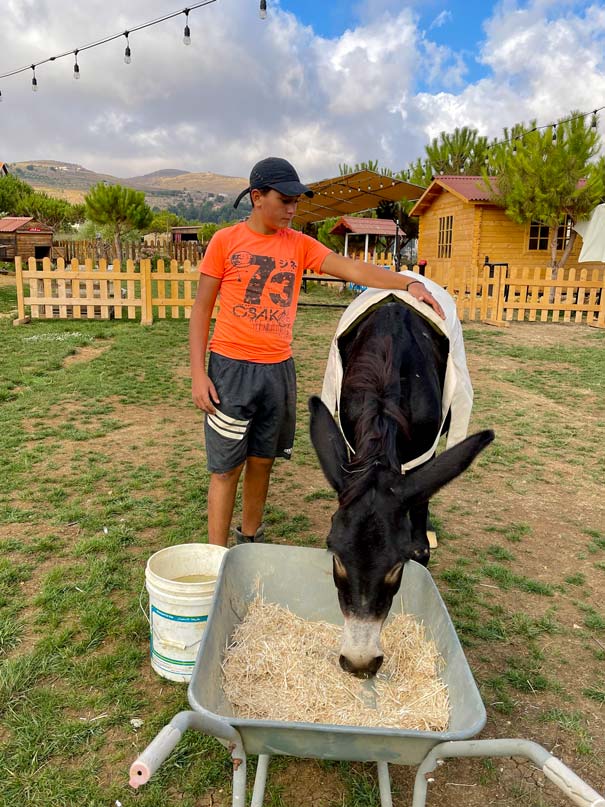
[(249, 390)]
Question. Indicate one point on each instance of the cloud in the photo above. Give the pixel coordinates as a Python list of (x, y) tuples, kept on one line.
[(247, 88), (441, 19)]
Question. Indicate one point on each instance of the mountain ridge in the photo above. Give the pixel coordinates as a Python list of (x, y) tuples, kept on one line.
[(167, 186)]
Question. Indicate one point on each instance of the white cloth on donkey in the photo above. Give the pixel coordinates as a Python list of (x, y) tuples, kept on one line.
[(457, 388)]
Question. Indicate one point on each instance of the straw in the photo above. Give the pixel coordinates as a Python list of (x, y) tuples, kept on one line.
[(279, 666)]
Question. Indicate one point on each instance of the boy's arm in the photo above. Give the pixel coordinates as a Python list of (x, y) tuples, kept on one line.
[(366, 274), (203, 391)]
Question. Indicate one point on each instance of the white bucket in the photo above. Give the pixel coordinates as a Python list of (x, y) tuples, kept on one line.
[(179, 608)]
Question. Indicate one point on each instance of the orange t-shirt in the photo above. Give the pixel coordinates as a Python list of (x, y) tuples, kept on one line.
[(260, 283)]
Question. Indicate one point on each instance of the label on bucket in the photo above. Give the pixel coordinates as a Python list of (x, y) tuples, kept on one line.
[(177, 617), (174, 640)]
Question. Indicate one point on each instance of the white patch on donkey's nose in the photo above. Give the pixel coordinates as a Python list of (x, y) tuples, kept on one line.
[(361, 641)]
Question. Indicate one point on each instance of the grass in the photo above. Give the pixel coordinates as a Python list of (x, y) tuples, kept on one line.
[(103, 466)]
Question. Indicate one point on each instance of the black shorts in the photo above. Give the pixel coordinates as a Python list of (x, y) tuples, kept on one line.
[(256, 416)]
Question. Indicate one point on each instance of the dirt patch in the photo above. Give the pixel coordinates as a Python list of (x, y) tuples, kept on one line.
[(87, 353)]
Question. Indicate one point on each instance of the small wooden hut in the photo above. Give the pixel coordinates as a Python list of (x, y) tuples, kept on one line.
[(184, 233), (26, 237), (379, 230)]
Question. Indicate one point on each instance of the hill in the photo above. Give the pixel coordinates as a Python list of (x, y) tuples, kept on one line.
[(169, 186)]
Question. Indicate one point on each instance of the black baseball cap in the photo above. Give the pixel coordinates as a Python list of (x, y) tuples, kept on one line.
[(276, 173)]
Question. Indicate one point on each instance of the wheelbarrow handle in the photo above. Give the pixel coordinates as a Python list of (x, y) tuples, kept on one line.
[(160, 748), (576, 789)]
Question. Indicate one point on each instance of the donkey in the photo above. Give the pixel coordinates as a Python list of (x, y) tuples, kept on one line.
[(394, 366)]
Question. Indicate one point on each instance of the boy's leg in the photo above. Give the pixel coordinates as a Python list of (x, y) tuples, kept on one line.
[(221, 501), (255, 489)]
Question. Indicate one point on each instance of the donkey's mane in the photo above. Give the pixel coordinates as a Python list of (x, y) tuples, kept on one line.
[(373, 380)]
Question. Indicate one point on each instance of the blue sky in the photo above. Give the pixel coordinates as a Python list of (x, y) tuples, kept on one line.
[(456, 24), (320, 83)]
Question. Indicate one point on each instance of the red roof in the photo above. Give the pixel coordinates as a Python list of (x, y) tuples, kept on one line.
[(12, 223), (471, 189), (363, 226)]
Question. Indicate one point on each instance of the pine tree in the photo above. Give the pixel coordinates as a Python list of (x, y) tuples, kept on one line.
[(460, 152), (120, 208), (547, 175)]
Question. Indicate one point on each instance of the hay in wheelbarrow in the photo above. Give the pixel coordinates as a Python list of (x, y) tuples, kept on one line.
[(279, 666)]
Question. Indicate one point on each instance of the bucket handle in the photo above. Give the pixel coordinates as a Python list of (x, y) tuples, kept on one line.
[(143, 610)]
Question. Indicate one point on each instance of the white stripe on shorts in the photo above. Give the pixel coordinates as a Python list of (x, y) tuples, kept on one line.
[(229, 421), (226, 426)]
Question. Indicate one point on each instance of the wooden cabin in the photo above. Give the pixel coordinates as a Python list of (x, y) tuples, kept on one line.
[(26, 237), (460, 225)]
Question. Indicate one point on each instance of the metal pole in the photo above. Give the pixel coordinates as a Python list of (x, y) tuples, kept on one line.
[(260, 780), (384, 784)]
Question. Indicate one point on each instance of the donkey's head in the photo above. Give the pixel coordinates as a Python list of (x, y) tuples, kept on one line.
[(371, 535)]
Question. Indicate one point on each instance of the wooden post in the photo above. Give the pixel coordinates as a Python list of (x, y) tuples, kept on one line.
[(146, 306), (21, 318)]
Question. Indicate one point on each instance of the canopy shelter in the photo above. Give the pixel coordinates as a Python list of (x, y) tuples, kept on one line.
[(352, 193), (351, 225)]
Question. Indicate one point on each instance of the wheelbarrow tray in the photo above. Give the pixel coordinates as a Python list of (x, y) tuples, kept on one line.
[(300, 579)]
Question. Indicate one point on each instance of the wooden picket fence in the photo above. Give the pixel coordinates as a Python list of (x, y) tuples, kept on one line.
[(497, 295), (504, 294), (105, 291)]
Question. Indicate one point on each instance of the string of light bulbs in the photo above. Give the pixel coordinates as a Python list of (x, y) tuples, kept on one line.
[(127, 51), (580, 116)]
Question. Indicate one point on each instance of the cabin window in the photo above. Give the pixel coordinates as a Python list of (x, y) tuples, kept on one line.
[(446, 226), (538, 236)]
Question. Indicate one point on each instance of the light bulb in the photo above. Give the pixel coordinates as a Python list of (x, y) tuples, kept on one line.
[(34, 84), (263, 9), (187, 36), (127, 56), (76, 71)]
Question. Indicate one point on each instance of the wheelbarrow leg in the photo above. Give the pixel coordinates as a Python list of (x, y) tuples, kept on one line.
[(384, 784), (260, 780), (239, 781)]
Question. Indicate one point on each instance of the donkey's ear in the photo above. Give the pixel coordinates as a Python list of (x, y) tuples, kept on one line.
[(420, 485), (328, 442)]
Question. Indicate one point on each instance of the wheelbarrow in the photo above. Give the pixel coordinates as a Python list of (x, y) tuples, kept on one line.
[(301, 579)]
